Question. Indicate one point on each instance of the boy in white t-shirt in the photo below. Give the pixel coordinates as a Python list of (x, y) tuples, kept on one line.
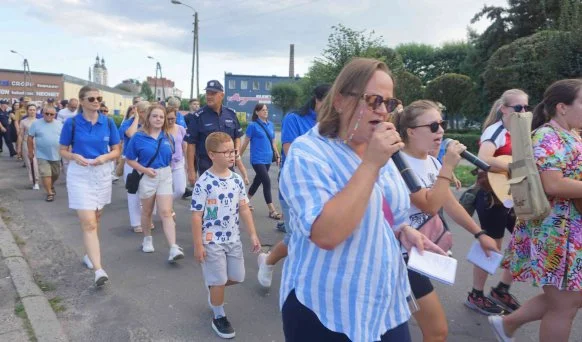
[(218, 197)]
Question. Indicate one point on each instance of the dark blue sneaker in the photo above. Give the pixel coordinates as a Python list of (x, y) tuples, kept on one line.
[(281, 227)]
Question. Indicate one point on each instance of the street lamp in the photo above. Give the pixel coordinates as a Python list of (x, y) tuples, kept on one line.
[(26, 73), (195, 55), (158, 68)]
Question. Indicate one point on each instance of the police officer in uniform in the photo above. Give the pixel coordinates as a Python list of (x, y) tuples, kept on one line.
[(5, 133), (213, 117)]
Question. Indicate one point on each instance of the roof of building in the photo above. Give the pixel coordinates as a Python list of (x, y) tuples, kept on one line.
[(229, 74)]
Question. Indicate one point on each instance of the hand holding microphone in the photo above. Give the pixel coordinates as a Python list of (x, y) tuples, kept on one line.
[(452, 156), (468, 156), (385, 141)]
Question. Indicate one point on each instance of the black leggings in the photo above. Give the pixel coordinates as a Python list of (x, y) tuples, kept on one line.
[(262, 177)]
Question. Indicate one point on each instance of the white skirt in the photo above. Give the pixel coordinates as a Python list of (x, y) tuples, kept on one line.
[(89, 187)]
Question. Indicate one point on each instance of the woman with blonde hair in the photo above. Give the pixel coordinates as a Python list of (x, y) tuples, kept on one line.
[(422, 128), (91, 141), (149, 152), (344, 277), (22, 146), (494, 217)]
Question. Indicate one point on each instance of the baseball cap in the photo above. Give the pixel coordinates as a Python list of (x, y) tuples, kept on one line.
[(50, 100), (214, 85), (3, 102), (64, 103)]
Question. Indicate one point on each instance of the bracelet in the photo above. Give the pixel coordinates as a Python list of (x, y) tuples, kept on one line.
[(443, 177), (477, 235)]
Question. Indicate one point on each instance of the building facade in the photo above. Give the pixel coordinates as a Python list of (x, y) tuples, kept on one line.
[(163, 88), (44, 85), (244, 92), (100, 73)]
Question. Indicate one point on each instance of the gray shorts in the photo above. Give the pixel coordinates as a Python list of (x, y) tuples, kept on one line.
[(223, 262)]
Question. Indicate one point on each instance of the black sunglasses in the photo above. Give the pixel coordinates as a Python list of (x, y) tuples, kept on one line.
[(50, 114), (434, 126), (375, 101), (519, 108), (93, 98)]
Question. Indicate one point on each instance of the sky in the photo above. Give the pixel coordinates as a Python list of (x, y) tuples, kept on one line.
[(248, 37)]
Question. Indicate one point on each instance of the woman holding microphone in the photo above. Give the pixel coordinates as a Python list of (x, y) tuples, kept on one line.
[(149, 152), (94, 142)]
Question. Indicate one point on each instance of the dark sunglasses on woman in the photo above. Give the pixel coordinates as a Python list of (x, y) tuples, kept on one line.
[(93, 98), (519, 108), (434, 126), (375, 101)]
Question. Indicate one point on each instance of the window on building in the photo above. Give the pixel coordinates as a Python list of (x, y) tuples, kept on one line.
[(255, 85), (231, 84), (268, 85), (244, 84)]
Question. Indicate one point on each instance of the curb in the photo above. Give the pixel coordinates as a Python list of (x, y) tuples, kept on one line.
[(42, 318)]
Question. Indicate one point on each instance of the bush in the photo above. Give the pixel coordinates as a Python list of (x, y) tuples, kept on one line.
[(117, 119), (469, 140)]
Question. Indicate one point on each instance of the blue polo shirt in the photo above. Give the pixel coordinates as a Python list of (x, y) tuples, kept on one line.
[(123, 128), (91, 140), (180, 120), (294, 126), (261, 142), (206, 121), (142, 147)]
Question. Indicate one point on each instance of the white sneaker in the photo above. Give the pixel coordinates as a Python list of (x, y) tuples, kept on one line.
[(100, 277), (87, 262), (147, 246), (265, 274), (496, 323), (114, 178), (175, 254), (36, 187)]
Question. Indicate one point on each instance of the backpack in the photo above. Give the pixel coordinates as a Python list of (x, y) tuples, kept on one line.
[(529, 199)]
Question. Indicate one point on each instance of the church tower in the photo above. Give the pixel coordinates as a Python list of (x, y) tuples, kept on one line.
[(97, 71)]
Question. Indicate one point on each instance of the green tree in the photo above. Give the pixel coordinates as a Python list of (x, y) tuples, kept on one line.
[(532, 63), (184, 104), (202, 99), (418, 59), (146, 92), (286, 96), (408, 87), (452, 90)]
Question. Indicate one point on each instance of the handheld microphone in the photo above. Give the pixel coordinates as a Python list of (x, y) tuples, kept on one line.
[(406, 172), (470, 157)]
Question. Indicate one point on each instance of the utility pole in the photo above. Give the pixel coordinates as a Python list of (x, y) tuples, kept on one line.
[(193, 55), (197, 55)]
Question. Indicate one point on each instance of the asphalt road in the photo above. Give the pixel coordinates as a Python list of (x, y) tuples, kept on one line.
[(149, 300)]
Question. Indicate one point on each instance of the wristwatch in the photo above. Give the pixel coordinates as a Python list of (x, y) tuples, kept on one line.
[(477, 235)]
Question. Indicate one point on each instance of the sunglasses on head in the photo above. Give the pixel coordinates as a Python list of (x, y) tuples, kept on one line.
[(93, 98), (375, 101), (434, 126), (519, 108)]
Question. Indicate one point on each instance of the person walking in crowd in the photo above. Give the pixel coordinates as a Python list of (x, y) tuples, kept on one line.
[(22, 146), (213, 117), (421, 127), (194, 106), (294, 125), (45, 135), (127, 129), (218, 198), (178, 162), (6, 118), (494, 217), (91, 141), (344, 162), (104, 110), (547, 251), (69, 111), (149, 151), (261, 135), (174, 104)]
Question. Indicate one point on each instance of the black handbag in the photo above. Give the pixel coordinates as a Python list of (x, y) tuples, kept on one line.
[(268, 135), (132, 180)]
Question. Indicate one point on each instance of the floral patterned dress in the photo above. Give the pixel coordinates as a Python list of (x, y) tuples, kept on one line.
[(549, 251)]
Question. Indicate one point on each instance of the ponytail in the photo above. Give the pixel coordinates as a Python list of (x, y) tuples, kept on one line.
[(540, 116)]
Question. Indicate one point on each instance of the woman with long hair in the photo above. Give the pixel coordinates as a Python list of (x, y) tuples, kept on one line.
[(345, 162), (149, 152), (91, 142), (178, 162), (261, 135), (22, 146), (548, 251), (422, 128), (294, 125), (127, 129), (494, 217)]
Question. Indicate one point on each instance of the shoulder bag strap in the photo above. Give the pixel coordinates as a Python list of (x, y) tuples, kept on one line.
[(155, 154), (268, 135)]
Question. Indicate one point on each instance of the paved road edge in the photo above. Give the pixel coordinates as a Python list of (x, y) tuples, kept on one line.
[(43, 319)]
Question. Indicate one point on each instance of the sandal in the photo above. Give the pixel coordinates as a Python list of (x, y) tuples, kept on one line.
[(50, 197), (251, 208), (275, 215)]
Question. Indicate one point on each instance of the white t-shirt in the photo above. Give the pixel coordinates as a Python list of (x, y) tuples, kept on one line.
[(427, 171), (64, 114), (220, 200)]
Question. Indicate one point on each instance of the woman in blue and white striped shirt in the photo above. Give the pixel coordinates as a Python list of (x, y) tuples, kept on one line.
[(344, 278)]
